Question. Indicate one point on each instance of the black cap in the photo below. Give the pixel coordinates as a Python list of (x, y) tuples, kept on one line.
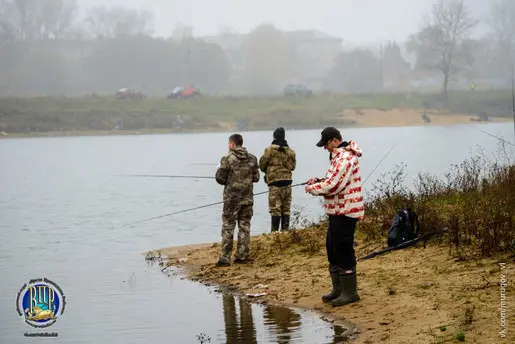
[(279, 134), (328, 134)]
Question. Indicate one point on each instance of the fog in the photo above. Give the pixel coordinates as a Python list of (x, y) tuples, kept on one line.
[(76, 47), (364, 21)]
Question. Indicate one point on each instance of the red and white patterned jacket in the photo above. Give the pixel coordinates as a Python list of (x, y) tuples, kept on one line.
[(341, 187)]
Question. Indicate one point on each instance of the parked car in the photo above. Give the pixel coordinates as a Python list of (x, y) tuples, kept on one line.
[(183, 92), (483, 117), (297, 90), (129, 93)]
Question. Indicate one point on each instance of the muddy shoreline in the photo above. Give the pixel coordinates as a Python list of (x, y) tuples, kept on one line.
[(348, 331), (415, 295)]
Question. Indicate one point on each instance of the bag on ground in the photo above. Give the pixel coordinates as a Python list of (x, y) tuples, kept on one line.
[(404, 227)]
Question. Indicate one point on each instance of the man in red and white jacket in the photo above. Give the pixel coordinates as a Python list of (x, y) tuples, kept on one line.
[(343, 201)]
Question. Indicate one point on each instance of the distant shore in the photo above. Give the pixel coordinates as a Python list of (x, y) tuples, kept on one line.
[(79, 133), (364, 118), (105, 115)]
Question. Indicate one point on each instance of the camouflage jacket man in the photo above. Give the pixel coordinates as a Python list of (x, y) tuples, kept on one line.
[(238, 171), (278, 162)]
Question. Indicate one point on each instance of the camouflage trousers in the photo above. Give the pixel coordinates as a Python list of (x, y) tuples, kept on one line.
[(279, 200), (242, 331), (242, 214)]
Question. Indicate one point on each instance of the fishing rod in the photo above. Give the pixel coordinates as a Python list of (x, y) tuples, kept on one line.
[(384, 157), (423, 237), (492, 135), (256, 194), (165, 176), (210, 177), (207, 205)]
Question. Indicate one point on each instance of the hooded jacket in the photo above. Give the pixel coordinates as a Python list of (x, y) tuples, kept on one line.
[(238, 171), (342, 186), (278, 162)]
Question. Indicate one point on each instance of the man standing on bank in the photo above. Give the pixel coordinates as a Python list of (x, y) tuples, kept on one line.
[(343, 202), (238, 171), (278, 162)]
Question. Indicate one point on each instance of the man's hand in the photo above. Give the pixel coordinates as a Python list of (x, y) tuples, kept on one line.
[(312, 181)]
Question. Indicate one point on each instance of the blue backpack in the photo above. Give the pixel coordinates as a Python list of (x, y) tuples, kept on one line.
[(404, 227)]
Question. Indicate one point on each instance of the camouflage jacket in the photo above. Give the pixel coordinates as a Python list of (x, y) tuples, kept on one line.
[(238, 171), (278, 162)]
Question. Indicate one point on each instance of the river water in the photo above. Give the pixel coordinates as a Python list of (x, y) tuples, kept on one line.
[(62, 207)]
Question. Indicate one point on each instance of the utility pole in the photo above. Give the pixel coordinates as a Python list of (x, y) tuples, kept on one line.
[(189, 62), (381, 66), (513, 100)]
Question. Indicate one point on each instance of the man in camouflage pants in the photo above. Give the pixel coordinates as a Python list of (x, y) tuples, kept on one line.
[(238, 171), (278, 162)]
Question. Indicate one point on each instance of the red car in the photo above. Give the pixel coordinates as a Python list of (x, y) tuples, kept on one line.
[(183, 92), (129, 93)]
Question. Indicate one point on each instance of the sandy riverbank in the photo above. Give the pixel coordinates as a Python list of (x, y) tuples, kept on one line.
[(363, 118), (410, 117), (414, 295)]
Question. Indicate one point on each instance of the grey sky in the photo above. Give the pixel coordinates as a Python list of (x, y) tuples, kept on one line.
[(356, 21)]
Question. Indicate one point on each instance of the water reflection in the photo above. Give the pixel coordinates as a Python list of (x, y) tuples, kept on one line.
[(340, 335), (283, 325), (242, 331), (283, 321)]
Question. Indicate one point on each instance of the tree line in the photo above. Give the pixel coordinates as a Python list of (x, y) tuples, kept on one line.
[(47, 48)]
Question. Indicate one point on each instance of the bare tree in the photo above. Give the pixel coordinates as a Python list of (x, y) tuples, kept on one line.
[(37, 19), (117, 22), (501, 20), (97, 23), (57, 18), (23, 18), (6, 29), (444, 43)]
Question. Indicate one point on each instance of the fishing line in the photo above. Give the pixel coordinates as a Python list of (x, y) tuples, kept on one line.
[(256, 194), (384, 157), (207, 205), (164, 176), (492, 135)]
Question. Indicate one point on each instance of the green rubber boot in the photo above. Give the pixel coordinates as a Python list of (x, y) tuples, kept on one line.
[(349, 292), (337, 286)]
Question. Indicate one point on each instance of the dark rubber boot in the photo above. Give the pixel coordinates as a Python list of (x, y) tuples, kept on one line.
[(222, 262), (285, 222), (337, 286), (349, 290), (276, 222)]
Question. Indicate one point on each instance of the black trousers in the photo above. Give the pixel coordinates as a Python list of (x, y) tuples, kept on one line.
[(340, 241)]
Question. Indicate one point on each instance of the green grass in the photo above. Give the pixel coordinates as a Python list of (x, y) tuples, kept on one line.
[(101, 112)]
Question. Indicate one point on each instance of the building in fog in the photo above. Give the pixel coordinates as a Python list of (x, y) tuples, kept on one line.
[(315, 54), (312, 54)]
